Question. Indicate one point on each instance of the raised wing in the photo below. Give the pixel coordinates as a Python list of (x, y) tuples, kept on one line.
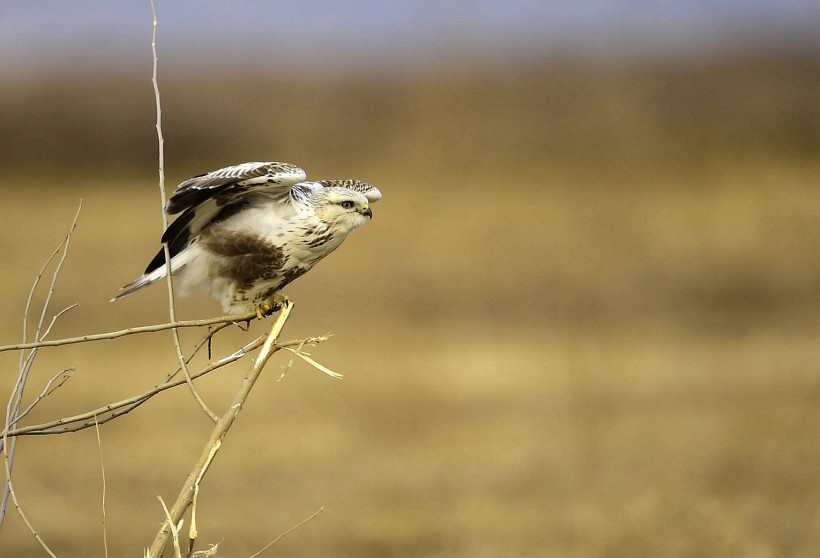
[(217, 195), (231, 182)]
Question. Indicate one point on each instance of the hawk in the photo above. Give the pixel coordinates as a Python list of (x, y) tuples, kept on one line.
[(246, 231)]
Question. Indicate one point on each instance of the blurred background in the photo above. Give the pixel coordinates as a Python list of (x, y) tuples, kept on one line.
[(583, 322)]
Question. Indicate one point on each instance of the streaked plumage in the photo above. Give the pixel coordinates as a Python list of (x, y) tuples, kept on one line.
[(248, 230)]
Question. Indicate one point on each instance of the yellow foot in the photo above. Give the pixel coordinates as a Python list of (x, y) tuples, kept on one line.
[(263, 309), (266, 308)]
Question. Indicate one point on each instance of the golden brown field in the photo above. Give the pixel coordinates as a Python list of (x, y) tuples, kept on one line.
[(583, 322)]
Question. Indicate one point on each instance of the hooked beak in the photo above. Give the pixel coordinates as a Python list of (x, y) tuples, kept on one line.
[(366, 211)]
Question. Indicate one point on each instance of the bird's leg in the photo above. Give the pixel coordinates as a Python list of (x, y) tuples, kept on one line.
[(268, 307)]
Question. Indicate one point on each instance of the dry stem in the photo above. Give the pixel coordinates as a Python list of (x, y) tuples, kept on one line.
[(102, 473), (16, 397), (168, 270), (185, 497), (130, 331), (114, 410), (280, 537)]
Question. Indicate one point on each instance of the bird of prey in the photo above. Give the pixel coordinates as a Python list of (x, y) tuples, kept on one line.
[(246, 231)]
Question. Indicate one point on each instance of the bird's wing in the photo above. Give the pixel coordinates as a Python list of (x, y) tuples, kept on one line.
[(219, 194), (235, 181)]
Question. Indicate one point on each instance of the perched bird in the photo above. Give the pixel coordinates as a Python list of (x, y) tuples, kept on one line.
[(248, 230)]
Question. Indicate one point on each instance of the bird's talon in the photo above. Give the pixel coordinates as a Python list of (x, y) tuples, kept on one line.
[(279, 300), (271, 306), (263, 309)]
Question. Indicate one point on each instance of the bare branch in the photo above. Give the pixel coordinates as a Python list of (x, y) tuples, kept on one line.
[(228, 320), (56, 274), (56, 317), (220, 430), (16, 397), (60, 378), (188, 379), (169, 280), (114, 410), (133, 402), (40, 276), (13, 494), (25, 363)]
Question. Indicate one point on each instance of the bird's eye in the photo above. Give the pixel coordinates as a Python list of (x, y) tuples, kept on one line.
[(347, 204)]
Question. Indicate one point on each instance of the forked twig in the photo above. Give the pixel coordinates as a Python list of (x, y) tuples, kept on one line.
[(51, 386), (26, 361), (64, 247), (133, 402), (124, 406), (114, 410)]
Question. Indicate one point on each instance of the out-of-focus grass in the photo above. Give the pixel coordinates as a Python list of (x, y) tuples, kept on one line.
[(569, 371), (543, 358), (620, 118)]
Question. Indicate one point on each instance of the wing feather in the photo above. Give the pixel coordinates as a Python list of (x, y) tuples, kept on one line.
[(217, 195), (232, 182)]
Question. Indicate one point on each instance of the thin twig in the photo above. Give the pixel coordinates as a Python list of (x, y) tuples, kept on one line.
[(56, 317), (158, 125), (44, 312), (220, 430), (167, 254), (131, 403), (13, 494), (130, 331), (102, 471), (63, 376), (31, 292), (56, 273), (16, 397), (51, 386), (280, 537), (42, 337), (10, 492), (188, 379), (25, 363)]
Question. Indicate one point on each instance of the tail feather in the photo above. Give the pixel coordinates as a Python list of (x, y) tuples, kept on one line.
[(177, 263), (140, 282)]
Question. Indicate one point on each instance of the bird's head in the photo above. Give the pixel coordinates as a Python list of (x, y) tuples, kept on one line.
[(345, 204)]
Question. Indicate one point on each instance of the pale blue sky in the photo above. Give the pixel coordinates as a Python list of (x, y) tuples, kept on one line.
[(50, 35)]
